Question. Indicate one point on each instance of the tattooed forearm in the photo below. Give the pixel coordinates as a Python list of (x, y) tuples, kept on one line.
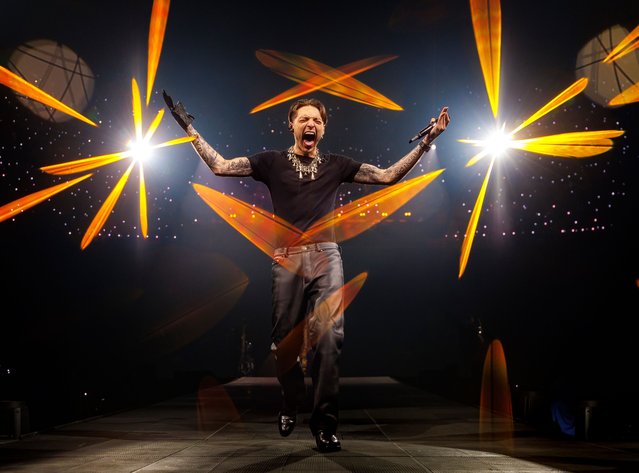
[(214, 160), (401, 167), (206, 152), (369, 174)]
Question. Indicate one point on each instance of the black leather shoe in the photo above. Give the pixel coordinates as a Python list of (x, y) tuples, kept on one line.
[(286, 424), (327, 442)]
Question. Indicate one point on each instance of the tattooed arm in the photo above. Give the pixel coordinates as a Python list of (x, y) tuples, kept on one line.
[(214, 160), (369, 174)]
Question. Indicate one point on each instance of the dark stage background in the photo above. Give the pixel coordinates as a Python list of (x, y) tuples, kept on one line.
[(552, 273)]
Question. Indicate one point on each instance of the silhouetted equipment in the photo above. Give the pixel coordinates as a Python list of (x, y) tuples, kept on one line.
[(14, 418)]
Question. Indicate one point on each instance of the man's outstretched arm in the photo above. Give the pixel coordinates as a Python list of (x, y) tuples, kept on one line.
[(214, 160), (369, 174)]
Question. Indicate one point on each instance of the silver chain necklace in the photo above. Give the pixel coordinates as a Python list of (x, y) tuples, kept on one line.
[(304, 168)]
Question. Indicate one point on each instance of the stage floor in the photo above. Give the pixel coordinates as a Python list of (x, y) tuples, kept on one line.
[(385, 426)]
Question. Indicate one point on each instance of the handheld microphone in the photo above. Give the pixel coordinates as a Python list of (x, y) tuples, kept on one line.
[(422, 132)]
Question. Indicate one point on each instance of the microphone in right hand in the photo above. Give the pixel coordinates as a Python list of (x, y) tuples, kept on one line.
[(422, 132)]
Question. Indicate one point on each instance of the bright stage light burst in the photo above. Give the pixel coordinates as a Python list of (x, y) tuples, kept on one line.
[(495, 145), (486, 18), (140, 151)]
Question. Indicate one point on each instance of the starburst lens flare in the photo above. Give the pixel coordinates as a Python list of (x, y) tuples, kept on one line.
[(140, 150), (486, 16), (495, 145), (23, 87), (313, 75)]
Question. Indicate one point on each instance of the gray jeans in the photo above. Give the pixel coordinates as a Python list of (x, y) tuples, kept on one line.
[(307, 287)]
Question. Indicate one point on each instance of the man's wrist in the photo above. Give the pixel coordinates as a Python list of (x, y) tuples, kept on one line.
[(424, 146)]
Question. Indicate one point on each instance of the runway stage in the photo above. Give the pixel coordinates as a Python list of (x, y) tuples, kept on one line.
[(385, 426)]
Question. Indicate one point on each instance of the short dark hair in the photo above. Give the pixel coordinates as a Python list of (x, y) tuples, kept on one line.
[(303, 103)]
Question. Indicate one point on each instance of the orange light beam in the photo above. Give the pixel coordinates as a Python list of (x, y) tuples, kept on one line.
[(495, 398), (478, 157), (84, 164), (154, 126), (101, 216), (265, 229), (574, 89), (301, 69), (143, 209), (137, 109), (486, 18), (26, 202), (288, 347), (157, 28), (261, 228), (630, 95), (176, 141), (316, 80), (624, 47), (347, 221), (23, 87), (472, 223), (580, 144)]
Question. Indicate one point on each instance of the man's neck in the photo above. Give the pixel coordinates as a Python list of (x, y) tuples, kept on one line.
[(312, 153)]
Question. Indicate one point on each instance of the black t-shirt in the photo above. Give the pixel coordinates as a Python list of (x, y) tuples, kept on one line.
[(303, 201)]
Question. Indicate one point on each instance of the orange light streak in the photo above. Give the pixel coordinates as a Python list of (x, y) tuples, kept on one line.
[(630, 95), (154, 125), (24, 203), (472, 223), (347, 220), (261, 228), (624, 47), (321, 318), (137, 109), (23, 87), (143, 210), (318, 76), (313, 75), (157, 28), (176, 141), (84, 164), (486, 17), (580, 144), (268, 232), (495, 405), (102, 215), (574, 89)]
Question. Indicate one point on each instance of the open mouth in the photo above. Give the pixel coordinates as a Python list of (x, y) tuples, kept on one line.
[(308, 139)]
